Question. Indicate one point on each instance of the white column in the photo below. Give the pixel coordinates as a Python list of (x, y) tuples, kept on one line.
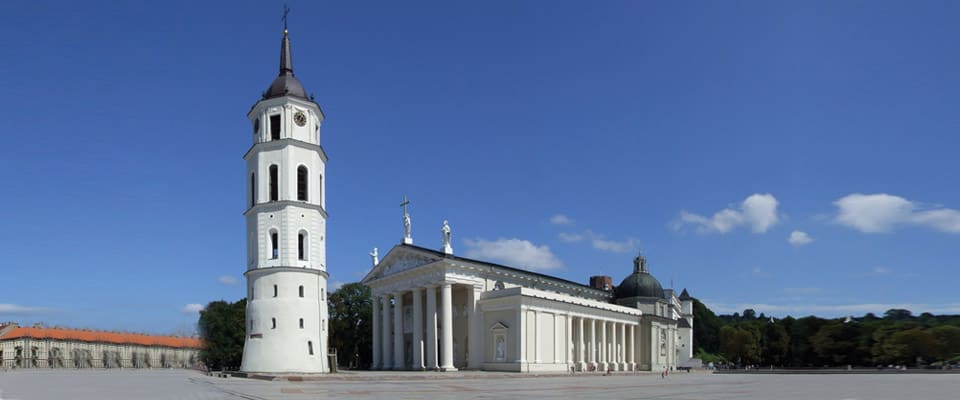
[(632, 351), (593, 342), (431, 362), (417, 329), (557, 339), (474, 336), (377, 333), (446, 320), (568, 340), (521, 344), (398, 331), (623, 346), (536, 336), (603, 345), (386, 344), (580, 333)]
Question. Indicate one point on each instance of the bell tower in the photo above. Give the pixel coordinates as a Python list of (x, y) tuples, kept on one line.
[(286, 321)]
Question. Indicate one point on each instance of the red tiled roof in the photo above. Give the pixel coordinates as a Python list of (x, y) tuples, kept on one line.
[(102, 337)]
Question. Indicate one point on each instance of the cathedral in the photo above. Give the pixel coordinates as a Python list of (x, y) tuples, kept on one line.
[(433, 310)]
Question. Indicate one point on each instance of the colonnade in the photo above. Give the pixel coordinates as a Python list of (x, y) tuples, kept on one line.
[(429, 351), (605, 345)]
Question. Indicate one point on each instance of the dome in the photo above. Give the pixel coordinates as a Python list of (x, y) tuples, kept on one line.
[(285, 85), (640, 283)]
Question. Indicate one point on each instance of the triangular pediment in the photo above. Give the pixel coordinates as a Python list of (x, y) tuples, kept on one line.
[(499, 326), (401, 258)]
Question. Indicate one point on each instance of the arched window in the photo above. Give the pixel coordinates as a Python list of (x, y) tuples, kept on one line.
[(274, 245), (301, 291), (320, 189), (275, 291), (301, 323), (302, 183), (323, 295), (253, 189), (302, 246), (273, 323), (274, 184), (310, 347)]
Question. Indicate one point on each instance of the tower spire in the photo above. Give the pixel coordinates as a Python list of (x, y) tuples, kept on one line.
[(286, 57)]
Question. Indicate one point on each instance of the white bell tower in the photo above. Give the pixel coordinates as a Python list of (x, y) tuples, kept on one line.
[(286, 322)]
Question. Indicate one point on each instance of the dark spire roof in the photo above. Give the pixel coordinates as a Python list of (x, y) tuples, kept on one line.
[(285, 83), (684, 296)]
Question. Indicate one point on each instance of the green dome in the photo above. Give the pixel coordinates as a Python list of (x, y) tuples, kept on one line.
[(640, 283)]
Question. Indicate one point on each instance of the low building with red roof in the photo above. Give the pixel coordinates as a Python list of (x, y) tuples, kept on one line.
[(44, 347)]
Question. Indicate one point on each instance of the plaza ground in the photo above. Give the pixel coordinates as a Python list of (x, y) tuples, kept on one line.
[(183, 384)]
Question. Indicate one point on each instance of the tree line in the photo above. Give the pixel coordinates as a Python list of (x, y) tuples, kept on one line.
[(896, 338)]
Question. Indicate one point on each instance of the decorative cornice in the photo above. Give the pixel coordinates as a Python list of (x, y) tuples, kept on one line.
[(280, 143), (266, 270), (278, 205)]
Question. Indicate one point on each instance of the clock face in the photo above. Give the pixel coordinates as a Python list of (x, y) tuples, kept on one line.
[(300, 118), (256, 126)]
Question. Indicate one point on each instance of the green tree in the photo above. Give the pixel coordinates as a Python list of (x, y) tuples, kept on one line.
[(802, 352), (351, 325), (223, 330), (897, 314), (776, 344), (839, 343), (739, 345), (947, 341), (706, 328)]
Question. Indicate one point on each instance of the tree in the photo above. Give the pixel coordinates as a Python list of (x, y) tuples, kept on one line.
[(223, 331), (776, 344), (897, 314), (947, 341), (839, 343), (739, 345), (706, 328), (351, 325), (801, 351)]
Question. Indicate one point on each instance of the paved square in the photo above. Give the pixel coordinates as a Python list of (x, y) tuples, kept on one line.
[(179, 384)]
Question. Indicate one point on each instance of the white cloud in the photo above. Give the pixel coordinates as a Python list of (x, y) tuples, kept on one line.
[(18, 309), (799, 238), (335, 285), (760, 272), (561, 219), (613, 246), (514, 252), (228, 280), (571, 237), (758, 211), (599, 242), (192, 308), (881, 213)]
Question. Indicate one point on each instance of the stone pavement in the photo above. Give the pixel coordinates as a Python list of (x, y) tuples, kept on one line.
[(180, 384)]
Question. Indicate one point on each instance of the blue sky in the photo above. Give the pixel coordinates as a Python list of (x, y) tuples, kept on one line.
[(557, 136)]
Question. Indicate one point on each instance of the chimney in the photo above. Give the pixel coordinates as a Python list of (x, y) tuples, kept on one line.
[(602, 282)]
